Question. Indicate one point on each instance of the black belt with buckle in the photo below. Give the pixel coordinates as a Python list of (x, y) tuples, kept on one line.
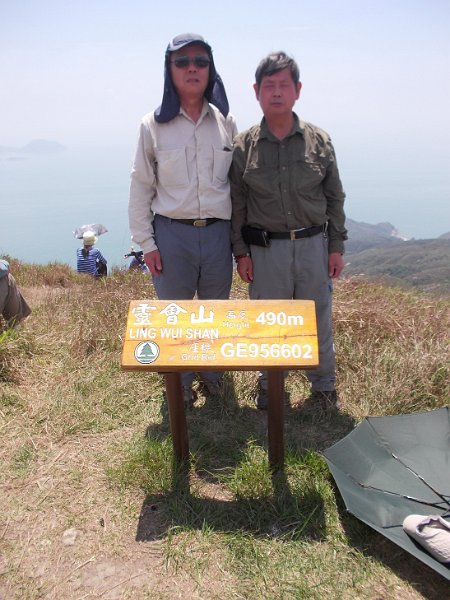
[(196, 222), (296, 234)]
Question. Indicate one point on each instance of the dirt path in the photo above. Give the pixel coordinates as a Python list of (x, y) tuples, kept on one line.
[(82, 548)]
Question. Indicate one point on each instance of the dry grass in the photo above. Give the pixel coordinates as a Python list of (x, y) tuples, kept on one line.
[(392, 348), (85, 452)]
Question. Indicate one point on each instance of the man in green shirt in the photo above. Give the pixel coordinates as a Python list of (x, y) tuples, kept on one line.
[(287, 195)]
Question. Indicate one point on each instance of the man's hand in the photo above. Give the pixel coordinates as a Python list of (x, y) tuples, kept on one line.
[(335, 264), (153, 262), (245, 268)]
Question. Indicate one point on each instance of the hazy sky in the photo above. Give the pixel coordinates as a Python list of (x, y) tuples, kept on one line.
[(375, 75)]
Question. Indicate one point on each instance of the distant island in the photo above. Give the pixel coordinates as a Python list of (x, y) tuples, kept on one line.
[(34, 147)]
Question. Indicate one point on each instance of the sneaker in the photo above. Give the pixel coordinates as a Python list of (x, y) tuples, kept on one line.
[(189, 397), (327, 400), (432, 532)]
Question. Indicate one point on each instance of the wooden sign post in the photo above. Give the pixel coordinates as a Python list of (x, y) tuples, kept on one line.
[(171, 336)]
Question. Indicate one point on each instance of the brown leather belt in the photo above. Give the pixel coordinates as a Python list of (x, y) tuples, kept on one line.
[(197, 222), (296, 234)]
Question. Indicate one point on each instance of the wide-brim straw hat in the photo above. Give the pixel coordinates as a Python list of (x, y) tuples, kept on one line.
[(89, 238)]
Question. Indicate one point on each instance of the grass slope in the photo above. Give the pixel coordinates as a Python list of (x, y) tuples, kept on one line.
[(91, 507)]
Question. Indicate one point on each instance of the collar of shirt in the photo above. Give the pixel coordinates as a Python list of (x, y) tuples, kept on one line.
[(206, 109), (264, 131)]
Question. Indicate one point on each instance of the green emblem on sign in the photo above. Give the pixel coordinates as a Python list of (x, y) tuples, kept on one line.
[(146, 352)]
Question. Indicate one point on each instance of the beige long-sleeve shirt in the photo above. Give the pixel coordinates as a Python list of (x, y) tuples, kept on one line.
[(180, 171)]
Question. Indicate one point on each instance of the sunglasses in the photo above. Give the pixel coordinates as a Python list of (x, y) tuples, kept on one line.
[(182, 62)]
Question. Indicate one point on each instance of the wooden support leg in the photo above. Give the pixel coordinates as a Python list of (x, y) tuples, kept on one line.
[(275, 418), (177, 417)]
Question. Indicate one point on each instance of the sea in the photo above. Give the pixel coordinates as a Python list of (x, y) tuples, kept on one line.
[(45, 197)]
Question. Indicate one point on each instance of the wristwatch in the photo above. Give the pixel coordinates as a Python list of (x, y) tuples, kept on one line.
[(236, 258)]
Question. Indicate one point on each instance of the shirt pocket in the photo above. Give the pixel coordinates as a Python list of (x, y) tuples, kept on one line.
[(221, 165), (263, 181), (172, 168), (308, 175)]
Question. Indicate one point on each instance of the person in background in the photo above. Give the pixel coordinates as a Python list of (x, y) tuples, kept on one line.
[(137, 262), (287, 195), (180, 206), (13, 306), (89, 259)]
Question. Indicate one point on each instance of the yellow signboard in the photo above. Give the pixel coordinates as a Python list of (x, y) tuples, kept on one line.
[(192, 335)]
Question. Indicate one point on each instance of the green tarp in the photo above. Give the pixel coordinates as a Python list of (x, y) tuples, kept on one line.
[(394, 466)]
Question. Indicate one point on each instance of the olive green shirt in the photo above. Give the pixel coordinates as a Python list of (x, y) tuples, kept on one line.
[(280, 185)]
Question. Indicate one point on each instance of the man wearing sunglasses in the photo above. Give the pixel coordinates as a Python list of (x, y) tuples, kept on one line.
[(288, 223), (180, 206)]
